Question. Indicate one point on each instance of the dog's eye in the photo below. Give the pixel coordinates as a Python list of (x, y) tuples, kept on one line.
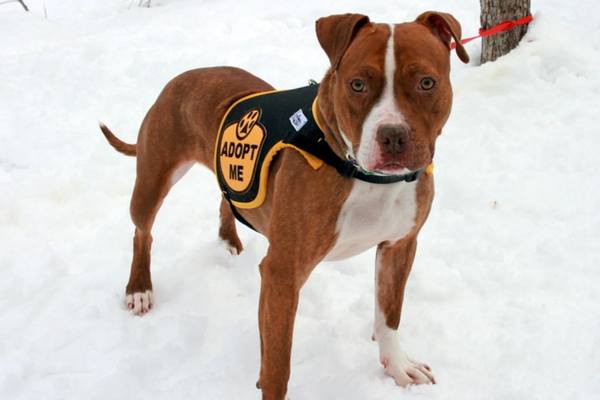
[(427, 83), (357, 85)]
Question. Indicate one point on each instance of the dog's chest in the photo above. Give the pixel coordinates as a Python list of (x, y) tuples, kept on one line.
[(372, 214)]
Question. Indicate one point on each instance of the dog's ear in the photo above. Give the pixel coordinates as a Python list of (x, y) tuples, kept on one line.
[(335, 33), (446, 27)]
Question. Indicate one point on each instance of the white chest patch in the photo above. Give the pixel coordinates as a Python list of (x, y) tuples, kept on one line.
[(375, 213), (372, 214)]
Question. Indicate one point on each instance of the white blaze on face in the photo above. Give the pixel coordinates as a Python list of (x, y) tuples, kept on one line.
[(385, 111)]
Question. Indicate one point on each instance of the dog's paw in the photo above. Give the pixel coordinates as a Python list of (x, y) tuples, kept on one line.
[(406, 371), (234, 248), (139, 303)]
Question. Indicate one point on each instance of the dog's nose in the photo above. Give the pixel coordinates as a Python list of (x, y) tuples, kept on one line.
[(392, 138)]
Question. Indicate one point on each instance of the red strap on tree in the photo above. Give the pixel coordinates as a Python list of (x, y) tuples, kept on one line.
[(501, 27)]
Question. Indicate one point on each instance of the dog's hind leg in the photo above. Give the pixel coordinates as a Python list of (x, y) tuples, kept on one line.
[(151, 187), (227, 231)]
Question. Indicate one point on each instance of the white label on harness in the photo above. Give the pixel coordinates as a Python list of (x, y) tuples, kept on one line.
[(298, 120)]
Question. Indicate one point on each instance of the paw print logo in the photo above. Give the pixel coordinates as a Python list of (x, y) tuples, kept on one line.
[(246, 124)]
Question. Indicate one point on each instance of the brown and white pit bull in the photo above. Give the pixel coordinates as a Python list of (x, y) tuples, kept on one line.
[(383, 101)]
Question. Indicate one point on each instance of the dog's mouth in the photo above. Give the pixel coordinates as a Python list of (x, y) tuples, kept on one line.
[(389, 168), (388, 164), (392, 167)]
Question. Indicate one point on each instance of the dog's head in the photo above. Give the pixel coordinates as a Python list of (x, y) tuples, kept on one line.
[(387, 94)]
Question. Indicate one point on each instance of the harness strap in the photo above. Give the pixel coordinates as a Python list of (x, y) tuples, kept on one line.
[(316, 145)]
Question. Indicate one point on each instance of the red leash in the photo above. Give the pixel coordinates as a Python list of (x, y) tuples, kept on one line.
[(501, 27)]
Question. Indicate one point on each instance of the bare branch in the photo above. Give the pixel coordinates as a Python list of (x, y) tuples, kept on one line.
[(14, 1), (23, 4)]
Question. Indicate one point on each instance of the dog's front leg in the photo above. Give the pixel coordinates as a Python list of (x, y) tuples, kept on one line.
[(282, 276), (393, 265)]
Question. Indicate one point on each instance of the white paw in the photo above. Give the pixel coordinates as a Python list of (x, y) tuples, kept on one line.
[(406, 371), (140, 303), (229, 247), (394, 360)]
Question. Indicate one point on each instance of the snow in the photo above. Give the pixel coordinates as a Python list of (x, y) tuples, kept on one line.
[(502, 301)]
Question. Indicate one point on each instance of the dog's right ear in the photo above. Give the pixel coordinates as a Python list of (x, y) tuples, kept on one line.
[(335, 33), (445, 27)]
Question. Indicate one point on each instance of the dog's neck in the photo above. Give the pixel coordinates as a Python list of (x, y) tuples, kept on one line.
[(327, 121)]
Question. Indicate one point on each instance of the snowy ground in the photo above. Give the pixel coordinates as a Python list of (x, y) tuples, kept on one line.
[(503, 301)]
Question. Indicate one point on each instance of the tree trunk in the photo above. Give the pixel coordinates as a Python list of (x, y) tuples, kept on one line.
[(494, 12)]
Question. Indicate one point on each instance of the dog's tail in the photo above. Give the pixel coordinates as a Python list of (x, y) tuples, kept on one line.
[(118, 144)]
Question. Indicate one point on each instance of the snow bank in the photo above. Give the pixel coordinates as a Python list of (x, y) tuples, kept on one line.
[(502, 301)]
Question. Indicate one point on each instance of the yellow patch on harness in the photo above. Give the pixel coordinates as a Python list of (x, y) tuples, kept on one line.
[(251, 134), (240, 147)]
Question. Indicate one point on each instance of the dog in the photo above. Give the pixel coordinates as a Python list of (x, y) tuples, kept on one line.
[(381, 106)]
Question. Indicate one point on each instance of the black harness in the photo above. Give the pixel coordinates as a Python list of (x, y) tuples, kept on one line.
[(287, 117)]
